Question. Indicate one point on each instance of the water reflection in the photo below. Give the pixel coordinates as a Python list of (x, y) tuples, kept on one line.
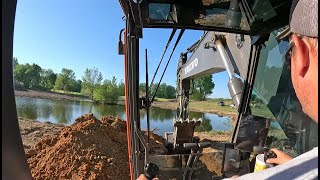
[(112, 110), (27, 108), (46, 112), (204, 126), (66, 112), (62, 112), (161, 115)]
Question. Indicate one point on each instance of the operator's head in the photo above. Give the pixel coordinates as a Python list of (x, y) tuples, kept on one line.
[(303, 53)]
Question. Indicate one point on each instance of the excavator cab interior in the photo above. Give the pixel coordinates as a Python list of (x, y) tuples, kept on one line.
[(240, 37)]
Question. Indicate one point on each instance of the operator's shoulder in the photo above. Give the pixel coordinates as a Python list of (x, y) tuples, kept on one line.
[(310, 154)]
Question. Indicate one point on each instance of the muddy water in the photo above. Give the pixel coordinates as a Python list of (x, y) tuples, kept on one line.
[(65, 112)]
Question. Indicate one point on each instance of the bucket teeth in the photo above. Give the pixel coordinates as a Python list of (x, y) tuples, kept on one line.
[(184, 129), (193, 120)]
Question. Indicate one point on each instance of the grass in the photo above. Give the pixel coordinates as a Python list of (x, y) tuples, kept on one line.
[(66, 92), (213, 106), (210, 106), (262, 111), (77, 94), (164, 100)]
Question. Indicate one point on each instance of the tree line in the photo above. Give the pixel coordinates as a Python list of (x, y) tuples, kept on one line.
[(200, 89), (32, 76), (91, 84)]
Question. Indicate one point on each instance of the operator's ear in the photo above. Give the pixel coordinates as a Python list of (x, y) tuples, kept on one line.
[(301, 54)]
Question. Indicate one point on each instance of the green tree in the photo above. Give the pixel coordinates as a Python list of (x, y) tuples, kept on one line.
[(18, 72), (164, 90), (121, 88), (34, 76), (91, 79), (28, 74), (142, 88), (169, 92), (76, 86), (108, 92), (161, 90), (48, 79), (65, 80), (202, 88), (153, 89)]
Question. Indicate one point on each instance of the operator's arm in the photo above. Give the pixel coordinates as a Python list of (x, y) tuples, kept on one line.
[(302, 167)]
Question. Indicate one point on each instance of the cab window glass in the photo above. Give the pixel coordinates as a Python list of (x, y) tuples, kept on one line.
[(273, 97)]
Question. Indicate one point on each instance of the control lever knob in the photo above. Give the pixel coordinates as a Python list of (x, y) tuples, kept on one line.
[(151, 170), (270, 154)]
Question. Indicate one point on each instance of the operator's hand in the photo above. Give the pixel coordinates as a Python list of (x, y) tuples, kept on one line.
[(143, 177), (281, 157)]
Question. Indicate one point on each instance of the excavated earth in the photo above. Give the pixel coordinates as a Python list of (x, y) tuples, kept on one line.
[(90, 148)]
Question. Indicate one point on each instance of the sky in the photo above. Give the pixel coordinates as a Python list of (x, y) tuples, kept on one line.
[(78, 34)]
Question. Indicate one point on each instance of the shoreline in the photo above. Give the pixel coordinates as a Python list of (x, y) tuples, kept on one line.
[(50, 95), (202, 107)]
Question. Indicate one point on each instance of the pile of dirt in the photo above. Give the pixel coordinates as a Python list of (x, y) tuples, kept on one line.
[(88, 149), (156, 144), (94, 149)]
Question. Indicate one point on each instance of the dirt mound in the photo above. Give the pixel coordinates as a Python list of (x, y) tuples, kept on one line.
[(156, 144), (88, 149), (95, 149), (32, 131)]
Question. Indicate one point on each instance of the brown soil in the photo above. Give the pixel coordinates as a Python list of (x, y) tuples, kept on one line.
[(213, 160), (88, 149), (94, 149), (50, 95), (32, 131), (216, 140)]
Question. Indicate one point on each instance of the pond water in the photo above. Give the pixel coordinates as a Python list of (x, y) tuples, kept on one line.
[(65, 112)]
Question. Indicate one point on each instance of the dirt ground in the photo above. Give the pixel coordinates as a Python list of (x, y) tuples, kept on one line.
[(32, 131), (49, 95), (93, 149), (213, 155)]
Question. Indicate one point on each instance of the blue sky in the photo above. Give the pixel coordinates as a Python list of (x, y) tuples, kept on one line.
[(78, 34)]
